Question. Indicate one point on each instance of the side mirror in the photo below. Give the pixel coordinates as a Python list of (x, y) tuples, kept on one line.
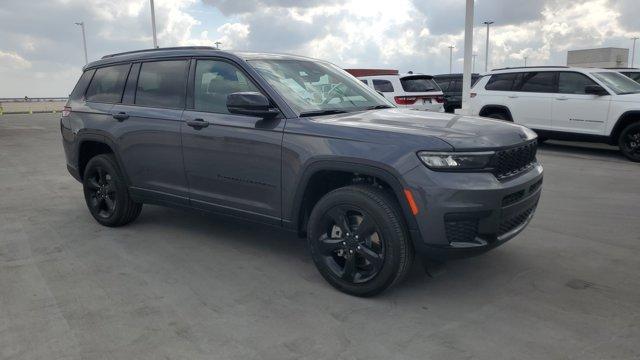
[(250, 103), (595, 90)]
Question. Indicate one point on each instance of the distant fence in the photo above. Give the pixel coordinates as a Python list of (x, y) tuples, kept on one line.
[(31, 105)]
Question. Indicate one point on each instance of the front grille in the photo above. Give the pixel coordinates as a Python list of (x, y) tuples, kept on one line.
[(513, 222), (461, 230), (513, 161)]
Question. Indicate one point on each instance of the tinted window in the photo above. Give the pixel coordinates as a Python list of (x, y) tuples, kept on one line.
[(634, 76), (455, 85), (537, 82), (501, 82), (418, 84), (107, 84), (162, 84), (443, 83), (573, 83), (81, 86), (214, 81), (382, 85)]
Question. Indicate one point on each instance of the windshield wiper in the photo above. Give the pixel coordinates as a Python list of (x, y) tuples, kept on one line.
[(322, 112), (378, 107)]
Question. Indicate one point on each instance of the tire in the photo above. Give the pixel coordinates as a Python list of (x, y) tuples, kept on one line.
[(358, 240), (629, 142), (106, 192), (499, 116)]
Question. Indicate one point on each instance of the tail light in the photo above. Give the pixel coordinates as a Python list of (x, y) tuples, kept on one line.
[(472, 95), (405, 100), (66, 111), (410, 100)]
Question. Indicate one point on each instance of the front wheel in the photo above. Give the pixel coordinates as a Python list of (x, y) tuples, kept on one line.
[(629, 142), (106, 193), (358, 240)]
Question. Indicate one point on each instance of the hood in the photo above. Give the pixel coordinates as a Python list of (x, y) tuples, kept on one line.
[(628, 98), (461, 132)]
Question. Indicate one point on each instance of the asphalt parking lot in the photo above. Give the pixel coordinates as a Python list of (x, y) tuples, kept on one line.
[(181, 285)]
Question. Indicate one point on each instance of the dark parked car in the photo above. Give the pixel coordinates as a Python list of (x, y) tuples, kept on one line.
[(451, 85), (297, 143)]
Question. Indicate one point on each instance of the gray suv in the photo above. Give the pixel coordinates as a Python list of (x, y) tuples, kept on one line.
[(300, 144)]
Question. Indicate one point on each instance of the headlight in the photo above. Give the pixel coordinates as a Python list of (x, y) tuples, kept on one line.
[(456, 160)]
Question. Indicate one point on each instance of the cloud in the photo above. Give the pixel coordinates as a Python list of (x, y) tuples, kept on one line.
[(403, 34), (12, 61)]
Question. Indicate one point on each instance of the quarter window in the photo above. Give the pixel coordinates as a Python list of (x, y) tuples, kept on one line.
[(107, 84), (573, 83), (162, 84), (382, 85), (215, 80), (501, 82), (544, 82), (81, 86), (443, 83)]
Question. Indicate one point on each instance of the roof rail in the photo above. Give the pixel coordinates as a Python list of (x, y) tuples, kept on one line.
[(161, 49), (532, 67)]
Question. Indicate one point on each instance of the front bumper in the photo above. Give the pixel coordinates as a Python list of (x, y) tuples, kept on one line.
[(465, 214)]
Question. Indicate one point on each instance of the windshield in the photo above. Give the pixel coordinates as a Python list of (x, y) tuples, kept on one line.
[(317, 87), (618, 83), (418, 84)]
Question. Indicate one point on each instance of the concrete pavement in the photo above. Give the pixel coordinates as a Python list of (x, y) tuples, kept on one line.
[(182, 285)]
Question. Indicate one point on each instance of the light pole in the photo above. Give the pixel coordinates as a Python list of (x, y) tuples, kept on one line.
[(218, 43), (451, 58), (153, 24), (486, 53), (468, 52), (473, 63), (84, 41), (525, 61), (633, 51)]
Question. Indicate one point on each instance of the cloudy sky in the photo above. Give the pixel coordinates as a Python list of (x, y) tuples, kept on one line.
[(41, 48)]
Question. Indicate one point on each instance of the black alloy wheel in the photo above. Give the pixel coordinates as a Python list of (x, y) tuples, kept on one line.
[(106, 192), (351, 245), (101, 192), (358, 240), (629, 142)]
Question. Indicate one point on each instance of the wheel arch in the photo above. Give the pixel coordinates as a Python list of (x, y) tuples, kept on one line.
[(305, 198), (623, 121), (502, 108), (91, 144)]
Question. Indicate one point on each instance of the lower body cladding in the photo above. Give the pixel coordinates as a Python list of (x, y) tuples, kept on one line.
[(465, 214)]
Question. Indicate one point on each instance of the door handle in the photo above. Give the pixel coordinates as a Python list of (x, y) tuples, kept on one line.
[(562, 98), (513, 96), (197, 123), (121, 116)]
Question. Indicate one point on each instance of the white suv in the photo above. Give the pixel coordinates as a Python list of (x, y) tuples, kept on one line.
[(412, 91), (566, 103)]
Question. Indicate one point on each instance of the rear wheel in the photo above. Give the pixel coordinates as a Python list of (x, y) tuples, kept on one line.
[(106, 193), (629, 142), (358, 240), (497, 115)]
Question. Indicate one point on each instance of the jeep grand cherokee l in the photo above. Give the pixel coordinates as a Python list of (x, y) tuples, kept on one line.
[(559, 102), (297, 143)]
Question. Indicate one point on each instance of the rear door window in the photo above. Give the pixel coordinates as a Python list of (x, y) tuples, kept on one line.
[(107, 84), (501, 82), (162, 84), (543, 82), (418, 84), (382, 85), (573, 83)]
